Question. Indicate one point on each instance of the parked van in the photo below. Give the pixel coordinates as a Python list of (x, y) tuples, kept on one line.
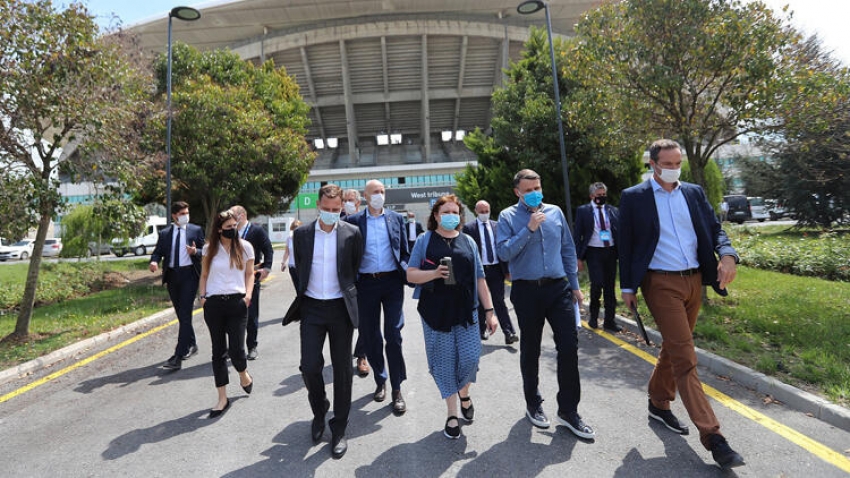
[(739, 208), (758, 211), (143, 244)]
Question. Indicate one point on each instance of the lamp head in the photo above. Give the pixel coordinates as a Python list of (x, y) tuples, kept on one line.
[(530, 6), (187, 14)]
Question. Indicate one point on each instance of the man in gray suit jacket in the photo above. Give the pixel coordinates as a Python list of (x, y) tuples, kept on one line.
[(326, 304)]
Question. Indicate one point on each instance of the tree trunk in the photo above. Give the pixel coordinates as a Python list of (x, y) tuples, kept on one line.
[(22, 326)]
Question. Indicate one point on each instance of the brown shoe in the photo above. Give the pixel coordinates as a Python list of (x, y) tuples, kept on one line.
[(362, 366)]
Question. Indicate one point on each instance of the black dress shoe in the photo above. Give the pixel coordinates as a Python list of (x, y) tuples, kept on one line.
[(399, 407), (218, 413), (193, 350), (318, 427), (339, 446), (511, 338), (723, 454), (668, 419), (380, 393), (173, 363), (612, 327), (593, 323)]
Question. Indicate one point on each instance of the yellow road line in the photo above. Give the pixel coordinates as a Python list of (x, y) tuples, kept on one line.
[(812, 446)]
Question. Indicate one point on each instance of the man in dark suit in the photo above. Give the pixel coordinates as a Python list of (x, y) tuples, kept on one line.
[(383, 275), (595, 235), (414, 229), (326, 304), (495, 271), (669, 242), (263, 256), (179, 248)]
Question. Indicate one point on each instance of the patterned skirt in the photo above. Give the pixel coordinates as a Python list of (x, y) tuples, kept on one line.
[(453, 356)]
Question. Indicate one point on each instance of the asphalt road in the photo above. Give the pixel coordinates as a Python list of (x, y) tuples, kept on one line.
[(121, 414)]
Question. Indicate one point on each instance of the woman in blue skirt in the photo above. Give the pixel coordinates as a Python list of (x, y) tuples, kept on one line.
[(448, 298)]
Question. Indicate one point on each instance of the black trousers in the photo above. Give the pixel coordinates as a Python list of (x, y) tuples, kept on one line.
[(226, 317), (321, 318), (602, 269), (535, 304), (182, 284), (254, 315), (496, 283)]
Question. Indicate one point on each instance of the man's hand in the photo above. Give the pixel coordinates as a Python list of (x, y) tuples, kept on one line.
[(578, 296), (153, 266), (536, 219), (630, 300), (726, 271), (263, 274), (191, 249), (580, 265)]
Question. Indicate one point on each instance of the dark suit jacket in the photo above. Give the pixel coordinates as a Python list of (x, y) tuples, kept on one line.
[(586, 221), (640, 229), (471, 229), (349, 252), (419, 230), (263, 251), (162, 251), (396, 230)]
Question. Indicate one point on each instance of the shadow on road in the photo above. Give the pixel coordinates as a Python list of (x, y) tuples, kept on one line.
[(128, 377)]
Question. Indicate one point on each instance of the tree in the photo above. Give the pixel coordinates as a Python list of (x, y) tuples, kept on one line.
[(109, 217), (703, 72), (525, 135), (62, 84), (715, 184), (237, 134), (17, 205)]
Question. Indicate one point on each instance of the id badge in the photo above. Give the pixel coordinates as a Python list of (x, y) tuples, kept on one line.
[(605, 235)]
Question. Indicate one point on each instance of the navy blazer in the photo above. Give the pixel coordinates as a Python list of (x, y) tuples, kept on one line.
[(263, 250), (396, 229), (349, 245), (640, 229), (162, 251), (586, 221), (471, 229)]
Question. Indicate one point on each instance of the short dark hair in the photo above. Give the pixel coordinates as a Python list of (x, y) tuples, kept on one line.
[(432, 221), (178, 206), (330, 191), (661, 144), (525, 174)]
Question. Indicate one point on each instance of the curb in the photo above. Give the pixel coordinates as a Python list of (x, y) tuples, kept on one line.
[(791, 396), (52, 358)]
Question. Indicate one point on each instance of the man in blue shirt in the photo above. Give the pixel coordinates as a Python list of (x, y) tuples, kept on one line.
[(535, 239)]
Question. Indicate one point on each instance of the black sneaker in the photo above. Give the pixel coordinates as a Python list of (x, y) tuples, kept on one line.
[(536, 416), (573, 421), (668, 419), (723, 454)]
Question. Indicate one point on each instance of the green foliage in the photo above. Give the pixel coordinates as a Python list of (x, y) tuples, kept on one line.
[(525, 134), (99, 223), (17, 205), (237, 133), (806, 253), (715, 185)]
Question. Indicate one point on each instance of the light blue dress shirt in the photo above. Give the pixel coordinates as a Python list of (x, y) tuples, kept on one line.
[(677, 240), (378, 256)]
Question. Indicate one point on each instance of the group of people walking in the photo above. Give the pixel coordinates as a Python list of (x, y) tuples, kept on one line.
[(350, 268)]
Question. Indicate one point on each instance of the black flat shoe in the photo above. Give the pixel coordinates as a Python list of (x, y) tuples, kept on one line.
[(249, 387), (468, 413), (218, 413), (452, 433)]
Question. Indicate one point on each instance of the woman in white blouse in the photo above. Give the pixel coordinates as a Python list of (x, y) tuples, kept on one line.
[(227, 281)]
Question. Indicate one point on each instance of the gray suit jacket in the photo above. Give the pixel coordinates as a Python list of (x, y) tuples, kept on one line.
[(349, 252)]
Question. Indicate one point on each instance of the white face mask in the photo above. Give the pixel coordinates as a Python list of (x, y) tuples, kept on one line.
[(669, 176), (183, 220), (484, 217), (377, 201), (349, 207)]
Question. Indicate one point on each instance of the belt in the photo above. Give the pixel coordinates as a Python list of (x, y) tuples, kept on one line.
[(377, 275), (322, 301), (226, 297), (491, 265), (684, 273), (539, 282)]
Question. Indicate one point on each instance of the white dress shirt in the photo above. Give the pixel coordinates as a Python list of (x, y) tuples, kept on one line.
[(182, 253), (323, 283), (481, 227), (595, 241)]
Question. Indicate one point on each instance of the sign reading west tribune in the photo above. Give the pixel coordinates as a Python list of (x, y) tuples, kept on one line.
[(416, 195)]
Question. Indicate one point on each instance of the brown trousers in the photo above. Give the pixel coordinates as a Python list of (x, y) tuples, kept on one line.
[(674, 302)]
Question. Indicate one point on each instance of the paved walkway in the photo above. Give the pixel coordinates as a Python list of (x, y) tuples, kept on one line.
[(118, 413)]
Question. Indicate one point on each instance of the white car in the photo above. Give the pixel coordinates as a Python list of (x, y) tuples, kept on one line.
[(20, 250), (52, 247)]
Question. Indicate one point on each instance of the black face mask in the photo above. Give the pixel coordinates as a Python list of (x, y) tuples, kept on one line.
[(229, 233), (600, 200)]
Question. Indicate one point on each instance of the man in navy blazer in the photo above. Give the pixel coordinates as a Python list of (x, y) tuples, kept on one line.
[(383, 275), (179, 248), (495, 270), (595, 235), (668, 245)]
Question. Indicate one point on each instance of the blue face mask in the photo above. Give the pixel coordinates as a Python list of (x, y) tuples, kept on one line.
[(328, 218), (449, 221), (533, 198)]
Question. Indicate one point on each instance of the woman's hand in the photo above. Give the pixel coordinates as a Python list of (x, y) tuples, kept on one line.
[(441, 272), (247, 301)]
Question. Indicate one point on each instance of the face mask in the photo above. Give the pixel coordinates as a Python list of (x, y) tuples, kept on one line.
[(411, 220), (183, 220), (669, 175), (349, 207), (377, 201), (328, 218), (484, 217), (228, 233), (449, 221), (533, 198), (600, 200)]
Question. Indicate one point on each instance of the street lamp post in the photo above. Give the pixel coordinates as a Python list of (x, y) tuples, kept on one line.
[(187, 14), (527, 8)]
